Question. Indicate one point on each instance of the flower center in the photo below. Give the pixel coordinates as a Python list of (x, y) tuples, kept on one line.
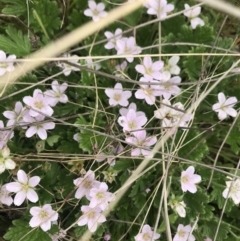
[(95, 12), (148, 91), (38, 104), (181, 234), (43, 214), (99, 195), (132, 125), (87, 184), (3, 65), (91, 215), (185, 179), (117, 97), (146, 236)]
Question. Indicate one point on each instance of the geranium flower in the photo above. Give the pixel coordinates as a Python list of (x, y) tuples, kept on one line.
[(147, 234), (100, 197), (148, 92), (192, 15), (67, 68), (171, 114), (4, 136), (8, 65), (189, 179), (91, 217), (127, 46), (117, 96), (224, 107), (15, 117), (5, 197), (150, 70), (170, 87), (38, 102), (43, 216), (232, 191), (95, 11), (171, 68), (132, 121), (133, 106), (160, 8), (37, 127), (179, 207), (183, 233), (24, 188), (112, 38), (57, 93), (5, 160), (84, 185), (140, 139)]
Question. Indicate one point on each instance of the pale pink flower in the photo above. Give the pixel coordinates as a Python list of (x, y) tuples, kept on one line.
[(113, 150), (112, 38), (36, 127), (179, 207), (224, 107), (38, 102), (148, 92), (232, 191), (189, 180), (107, 237), (5, 197), (192, 14), (160, 8), (91, 217), (5, 135), (95, 11), (132, 121), (207, 239), (184, 233), (43, 216), (5, 160), (147, 234), (15, 117), (127, 46), (67, 68), (117, 96), (24, 188), (140, 139), (57, 93), (171, 68), (92, 65), (76, 137), (170, 87), (84, 185), (133, 106), (172, 114), (120, 68), (100, 197), (150, 70), (6, 63)]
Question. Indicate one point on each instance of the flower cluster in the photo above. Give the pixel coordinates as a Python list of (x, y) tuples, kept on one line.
[(99, 197), (32, 116)]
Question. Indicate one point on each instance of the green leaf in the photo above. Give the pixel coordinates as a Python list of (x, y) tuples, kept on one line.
[(51, 140), (210, 227), (193, 64), (16, 43), (22, 231), (196, 204), (16, 7), (48, 12), (196, 147)]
